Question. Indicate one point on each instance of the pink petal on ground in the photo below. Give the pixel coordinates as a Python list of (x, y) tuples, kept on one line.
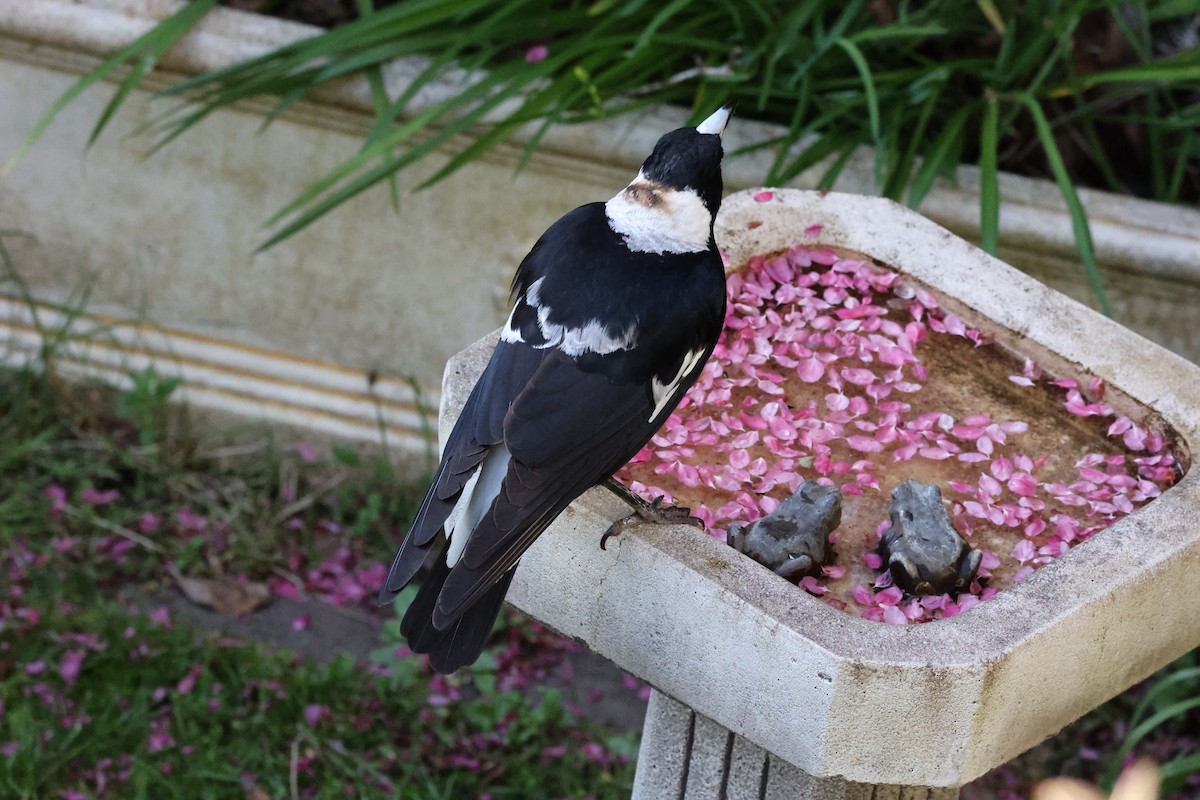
[(94, 497), (536, 53), (315, 713), (70, 666), (764, 197), (1035, 527), (894, 616), (1020, 380), (301, 622), (814, 229), (872, 560)]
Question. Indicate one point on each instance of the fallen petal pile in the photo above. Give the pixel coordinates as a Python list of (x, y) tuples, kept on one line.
[(835, 368)]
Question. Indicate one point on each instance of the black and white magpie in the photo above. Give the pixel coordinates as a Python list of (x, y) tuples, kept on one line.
[(618, 307)]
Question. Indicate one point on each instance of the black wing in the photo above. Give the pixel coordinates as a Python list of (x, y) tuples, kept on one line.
[(569, 420)]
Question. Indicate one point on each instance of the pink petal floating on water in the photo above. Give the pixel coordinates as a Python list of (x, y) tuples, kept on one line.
[(890, 596), (872, 559), (967, 432), (894, 616), (1135, 438), (864, 444), (990, 486), (988, 559), (1022, 573), (975, 509), (833, 571), (1001, 468), (811, 585), (810, 370), (1020, 380), (1119, 426)]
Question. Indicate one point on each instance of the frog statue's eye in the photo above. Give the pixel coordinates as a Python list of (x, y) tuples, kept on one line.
[(907, 515)]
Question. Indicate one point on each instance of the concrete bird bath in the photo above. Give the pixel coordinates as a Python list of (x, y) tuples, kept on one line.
[(765, 690)]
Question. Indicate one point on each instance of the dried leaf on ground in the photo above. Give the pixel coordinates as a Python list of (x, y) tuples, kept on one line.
[(225, 595)]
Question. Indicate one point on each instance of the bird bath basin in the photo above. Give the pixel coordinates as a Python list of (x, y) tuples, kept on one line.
[(819, 685)]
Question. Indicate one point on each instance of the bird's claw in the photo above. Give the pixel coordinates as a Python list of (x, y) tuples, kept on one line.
[(652, 512)]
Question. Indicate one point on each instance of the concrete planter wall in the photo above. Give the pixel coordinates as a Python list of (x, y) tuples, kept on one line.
[(765, 686), (367, 290)]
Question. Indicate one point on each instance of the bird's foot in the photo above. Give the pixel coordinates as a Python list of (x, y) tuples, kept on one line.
[(652, 512)]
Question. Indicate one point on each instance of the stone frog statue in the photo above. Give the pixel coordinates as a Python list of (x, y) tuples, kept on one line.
[(923, 551), (793, 540)]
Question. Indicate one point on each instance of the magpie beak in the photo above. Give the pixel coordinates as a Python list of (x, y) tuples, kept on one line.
[(717, 121), (617, 308)]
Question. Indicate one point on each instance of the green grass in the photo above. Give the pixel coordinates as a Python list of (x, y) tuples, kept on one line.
[(1080, 91), (157, 711), (108, 490), (162, 713)]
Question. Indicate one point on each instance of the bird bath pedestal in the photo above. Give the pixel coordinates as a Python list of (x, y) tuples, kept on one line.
[(763, 690)]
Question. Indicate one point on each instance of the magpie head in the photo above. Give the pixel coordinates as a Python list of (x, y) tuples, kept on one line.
[(670, 206), (689, 159)]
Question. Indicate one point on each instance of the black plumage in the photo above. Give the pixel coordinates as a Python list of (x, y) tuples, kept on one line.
[(618, 306)]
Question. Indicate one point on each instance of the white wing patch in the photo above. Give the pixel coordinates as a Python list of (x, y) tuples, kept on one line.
[(476, 498), (591, 337), (511, 334), (663, 392), (654, 219)]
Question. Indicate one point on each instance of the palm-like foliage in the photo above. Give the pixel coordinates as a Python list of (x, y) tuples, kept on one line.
[(928, 84)]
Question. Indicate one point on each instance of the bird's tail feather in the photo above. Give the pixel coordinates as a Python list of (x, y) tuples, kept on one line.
[(461, 643)]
